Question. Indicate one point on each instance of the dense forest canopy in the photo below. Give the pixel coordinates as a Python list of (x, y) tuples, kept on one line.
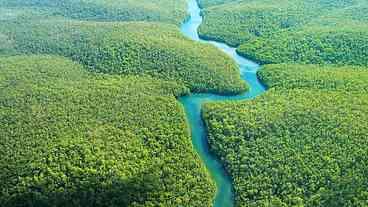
[(89, 113), (301, 143), (314, 77), (71, 138), (294, 147), (128, 48), (313, 31), (108, 10), (88, 109), (154, 48)]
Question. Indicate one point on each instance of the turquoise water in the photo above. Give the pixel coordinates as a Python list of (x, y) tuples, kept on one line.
[(193, 103)]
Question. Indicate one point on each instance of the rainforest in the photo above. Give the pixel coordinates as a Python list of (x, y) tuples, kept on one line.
[(184, 103)]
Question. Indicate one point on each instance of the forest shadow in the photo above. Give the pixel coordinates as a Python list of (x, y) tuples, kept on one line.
[(95, 191)]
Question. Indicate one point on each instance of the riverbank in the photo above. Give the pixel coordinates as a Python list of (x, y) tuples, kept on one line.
[(193, 107)]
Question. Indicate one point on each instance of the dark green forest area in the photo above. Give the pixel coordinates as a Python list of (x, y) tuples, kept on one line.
[(295, 147), (155, 49), (88, 109), (314, 77), (312, 32), (106, 10), (304, 142), (71, 138), (89, 114)]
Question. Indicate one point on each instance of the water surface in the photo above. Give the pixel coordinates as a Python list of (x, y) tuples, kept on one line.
[(193, 104)]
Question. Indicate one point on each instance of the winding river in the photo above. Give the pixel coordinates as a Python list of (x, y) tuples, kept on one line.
[(193, 103)]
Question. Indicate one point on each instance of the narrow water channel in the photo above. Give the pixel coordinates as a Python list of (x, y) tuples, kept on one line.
[(193, 104)]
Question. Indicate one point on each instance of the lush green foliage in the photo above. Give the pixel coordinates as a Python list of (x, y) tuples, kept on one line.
[(313, 31), (108, 10), (70, 138), (116, 137), (314, 77), (300, 144), (312, 46), (128, 48), (208, 3), (294, 148)]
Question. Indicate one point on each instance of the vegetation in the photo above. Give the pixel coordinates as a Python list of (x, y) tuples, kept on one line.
[(155, 49), (301, 143), (312, 32), (313, 46), (89, 116), (314, 77), (208, 3), (88, 109), (70, 138), (294, 148), (102, 10)]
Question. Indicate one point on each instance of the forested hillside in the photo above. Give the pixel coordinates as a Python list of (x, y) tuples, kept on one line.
[(88, 109), (350, 79), (313, 32), (102, 10), (71, 138), (208, 3), (300, 144), (89, 114), (155, 49), (295, 147), (313, 45)]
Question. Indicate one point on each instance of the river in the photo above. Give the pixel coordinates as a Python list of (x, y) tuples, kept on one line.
[(193, 104)]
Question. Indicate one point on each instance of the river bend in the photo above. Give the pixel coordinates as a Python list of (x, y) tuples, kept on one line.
[(193, 103)]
